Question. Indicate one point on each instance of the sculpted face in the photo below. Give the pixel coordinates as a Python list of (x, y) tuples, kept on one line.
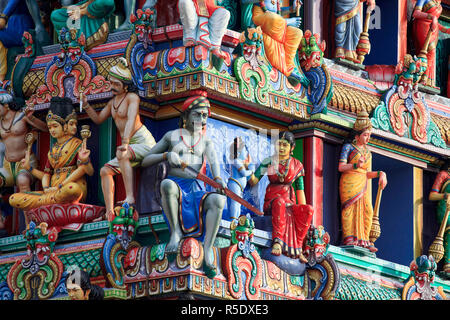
[(76, 293), (363, 138), (72, 127), (117, 87), (56, 129), (3, 109), (284, 149), (197, 118)]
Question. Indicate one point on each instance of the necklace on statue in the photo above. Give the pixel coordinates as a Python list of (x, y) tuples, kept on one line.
[(117, 108), (8, 130), (191, 148), (286, 163), (57, 154)]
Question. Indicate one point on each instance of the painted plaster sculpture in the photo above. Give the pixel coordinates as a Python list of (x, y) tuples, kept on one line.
[(311, 52), (130, 9), (354, 164), (349, 27), (136, 138), (188, 208), (15, 123), (63, 179), (14, 20), (425, 33), (420, 282), (40, 263), (281, 39), (440, 192), (79, 286), (291, 216), (71, 63), (403, 109), (204, 23), (240, 160), (88, 17)]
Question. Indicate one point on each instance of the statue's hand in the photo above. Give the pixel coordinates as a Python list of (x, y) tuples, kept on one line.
[(25, 163), (223, 186), (2, 23), (383, 180), (294, 22), (122, 151), (83, 154), (370, 5), (174, 159)]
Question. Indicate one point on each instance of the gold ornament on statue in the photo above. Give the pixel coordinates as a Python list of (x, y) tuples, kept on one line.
[(85, 134), (437, 247)]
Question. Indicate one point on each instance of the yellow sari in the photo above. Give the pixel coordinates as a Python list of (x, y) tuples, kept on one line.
[(61, 162), (356, 202)]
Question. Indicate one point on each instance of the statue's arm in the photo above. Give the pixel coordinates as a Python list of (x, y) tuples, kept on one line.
[(98, 118), (158, 153), (435, 194)]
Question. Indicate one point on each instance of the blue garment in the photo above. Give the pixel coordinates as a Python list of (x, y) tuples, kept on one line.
[(191, 213), (19, 20), (347, 33)]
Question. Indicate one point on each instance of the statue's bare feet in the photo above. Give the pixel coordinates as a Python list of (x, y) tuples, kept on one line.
[(218, 53), (189, 43), (276, 249), (208, 264), (172, 246)]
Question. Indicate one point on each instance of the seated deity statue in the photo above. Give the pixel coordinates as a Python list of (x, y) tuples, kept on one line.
[(63, 179)]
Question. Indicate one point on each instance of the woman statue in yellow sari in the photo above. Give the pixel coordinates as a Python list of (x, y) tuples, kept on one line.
[(68, 161), (355, 163)]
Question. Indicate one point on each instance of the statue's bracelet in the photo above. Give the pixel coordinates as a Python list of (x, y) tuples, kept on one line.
[(217, 178), (4, 16), (165, 156)]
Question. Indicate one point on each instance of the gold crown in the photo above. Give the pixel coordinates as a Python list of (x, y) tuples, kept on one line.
[(71, 116), (54, 117), (362, 122)]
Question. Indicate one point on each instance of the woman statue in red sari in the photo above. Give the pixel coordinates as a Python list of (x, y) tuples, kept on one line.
[(425, 19), (291, 216)]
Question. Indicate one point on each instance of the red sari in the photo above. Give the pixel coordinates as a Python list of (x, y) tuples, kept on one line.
[(290, 220), (420, 32)]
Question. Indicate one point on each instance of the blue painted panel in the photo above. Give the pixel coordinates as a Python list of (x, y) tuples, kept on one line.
[(396, 242), (386, 35)]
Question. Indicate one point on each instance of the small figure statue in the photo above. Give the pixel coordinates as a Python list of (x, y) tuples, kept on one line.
[(354, 163), (137, 141), (14, 125), (79, 287), (291, 217), (281, 38), (426, 33), (204, 23), (240, 159), (63, 179), (440, 192), (189, 209), (130, 8), (14, 20), (349, 27), (88, 17)]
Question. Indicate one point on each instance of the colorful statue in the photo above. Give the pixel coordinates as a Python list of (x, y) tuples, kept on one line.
[(349, 27), (79, 287), (240, 160), (137, 141), (63, 179), (354, 163), (130, 8), (14, 125), (426, 32), (189, 209), (291, 217), (440, 192), (14, 20), (204, 24), (281, 38), (88, 17)]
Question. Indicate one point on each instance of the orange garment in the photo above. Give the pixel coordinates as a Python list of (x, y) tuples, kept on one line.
[(281, 41)]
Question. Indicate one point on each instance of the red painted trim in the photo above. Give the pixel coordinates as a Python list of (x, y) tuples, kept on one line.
[(402, 29), (313, 157)]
